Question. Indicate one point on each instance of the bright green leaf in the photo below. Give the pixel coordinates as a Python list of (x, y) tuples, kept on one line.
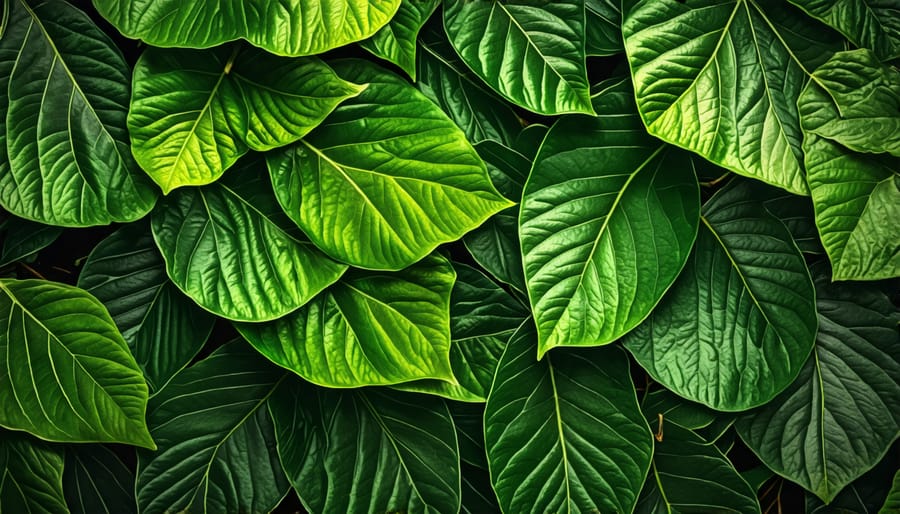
[(194, 112), (721, 78), (65, 372), (31, 475), (64, 154), (163, 328), (529, 51), (366, 450), (290, 27), (396, 41), (603, 27), (95, 481), (739, 322), (840, 416), (367, 329), (386, 178), (565, 434), (23, 238), (261, 271), (873, 24), (609, 215), (215, 439)]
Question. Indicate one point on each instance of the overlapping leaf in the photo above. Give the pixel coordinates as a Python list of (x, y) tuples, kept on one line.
[(367, 329), (64, 86), (872, 24), (215, 438), (607, 221), (23, 238), (531, 52), (722, 79), (290, 27), (95, 481), (385, 178), (31, 474), (739, 322), (233, 251), (194, 112), (553, 427), (396, 41), (840, 416), (65, 372), (603, 27), (362, 451)]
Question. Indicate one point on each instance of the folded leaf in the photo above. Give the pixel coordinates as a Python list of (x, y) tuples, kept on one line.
[(31, 474), (396, 41), (872, 24), (95, 481)]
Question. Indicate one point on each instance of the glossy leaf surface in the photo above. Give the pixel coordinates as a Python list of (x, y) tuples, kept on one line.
[(64, 155), (396, 41), (215, 438), (365, 450), (368, 329), (95, 481), (30, 475), (840, 416), (607, 221), (872, 24), (738, 324), (385, 178), (553, 427), (530, 52), (221, 268), (65, 372), (722, 79), (292, 27)]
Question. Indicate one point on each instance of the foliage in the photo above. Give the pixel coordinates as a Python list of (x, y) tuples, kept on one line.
[(461, 256)]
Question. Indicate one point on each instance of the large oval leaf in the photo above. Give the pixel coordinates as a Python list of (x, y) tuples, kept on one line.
[(722, 78), (65, 372), (367, 329), (537, 57), (367, 450), (31, 474), (396, 41), (95, 481), (215, 439), (163, 328), (608, 218), (233, 251), (386, 178), (739, 322), (840, 416), (194, 112), (293, 27), (64, 155), (565, 434), (873, 24)]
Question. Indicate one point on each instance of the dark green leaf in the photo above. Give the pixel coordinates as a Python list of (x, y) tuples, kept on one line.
[(675, 409), (96, 481), (31, 476), (603, 27), (396, 41), (23, 238), (873, 24), (865, 495), (892, 502)]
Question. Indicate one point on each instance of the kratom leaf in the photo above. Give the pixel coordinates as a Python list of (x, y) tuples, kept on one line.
[(384, 179), (95, 481), (873, 24), (608, 219), (23, 238), (215, 438), (31, 475), (194, 112), (366, 450), (368, 329), (553, 427), (65, 372), (64, 86), (536, 56), (396, 41), (739, 322), (721, 78), (261, 272), (840, 416), (291, 27), (603, 27)]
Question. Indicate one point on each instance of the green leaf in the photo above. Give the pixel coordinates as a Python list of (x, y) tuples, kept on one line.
[(672, 408), (95, 481), (215, 439), (482, 318), (740, 321), (23, 238), (840, 416), (64, 154), (447, 82), (207, 258), (65, 372), (565, 434), (690, 475), (396, 41), (385, 179), (163, 328), (194, 112), (366, 450), (368, 329), (31, 474), (892, 502), (538, 56), (872, 24), (721, 78), (603, 27), (608, 219), (865, 495), (293, 27), (797, 214)]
